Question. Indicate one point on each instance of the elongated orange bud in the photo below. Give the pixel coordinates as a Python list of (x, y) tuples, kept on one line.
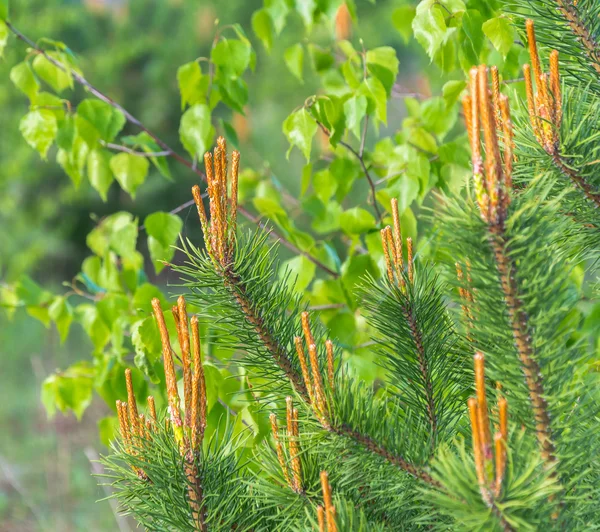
[(555, 89), (292, 430), (198, 388), (385, 244), (477, 451), (279, 450), (397, 236), (409, 259), (482, 407), (152, 408), (132, 405), (235, 168), (304, 368), (496, 97), (306, 328), (183, 335), (170, 376), (474, 134), (508, 144), (321, 518), (317, 382), (327, 499), (500, 448), (503, 417), (201, 212), (533, 51), (330, 371), (531, 104), (123, 422)]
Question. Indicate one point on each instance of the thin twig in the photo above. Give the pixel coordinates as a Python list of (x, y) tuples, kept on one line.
[(118, 147), (361, 161), (172, 153)]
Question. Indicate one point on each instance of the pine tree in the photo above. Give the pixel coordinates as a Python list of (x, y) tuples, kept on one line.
[(488, 418)]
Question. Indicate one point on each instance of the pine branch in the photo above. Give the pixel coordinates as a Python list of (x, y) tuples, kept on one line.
[(576, 178), (570, 13), (522, 336)]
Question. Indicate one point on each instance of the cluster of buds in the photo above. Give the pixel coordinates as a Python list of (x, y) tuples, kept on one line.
[(391, 241), (136, 429), (489, 110), (544, 105), (313, 380), (326, 513), (490, 460), (188, 431), (219, 230), (293, 479)]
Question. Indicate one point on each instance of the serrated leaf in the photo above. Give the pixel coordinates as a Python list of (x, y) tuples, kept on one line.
[(300, 128), (57, 78), (105, 120), (375, 92), (306, 9), (61, 314), (24, 79), (196, 131), (129, 170), (356, 221), (294, 60), (69, 390), (39, 128), (99, 172), (355, 109), (232, 56), (383, 63), (149, 145), (500, 31), (301, 272), (452, 91), (429, 27), (117, 232), (163, 231), (263, 27), (193, 85)]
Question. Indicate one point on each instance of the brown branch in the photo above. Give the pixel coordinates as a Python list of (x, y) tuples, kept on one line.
[(569, 12), (371, 445), (576, 179), (236, 286), (522, 338), (118, 147), (166, 148), (423, 367)]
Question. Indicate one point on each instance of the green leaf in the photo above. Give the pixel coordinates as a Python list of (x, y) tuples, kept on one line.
[(402, 18), (39, 128), (57, 78), (375, 92), (300, 128), (429, 26), (355, 109), (278, 10), (102, 121), (93, 325), (24, 79), (452, 91), (356, 221), (472, 38), (294, 59), (61, 314), (99, 173), (3, 34), (146, 342), (163, 231), (117, 232), (306, 9), (322, 60), (383, 64), (144, 141), (232, 56), (263, 27), (70, 389), (354, 270), (436, 117), (196, 131), (500, 31), (129, 170), (301, 272), (193, 85)]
